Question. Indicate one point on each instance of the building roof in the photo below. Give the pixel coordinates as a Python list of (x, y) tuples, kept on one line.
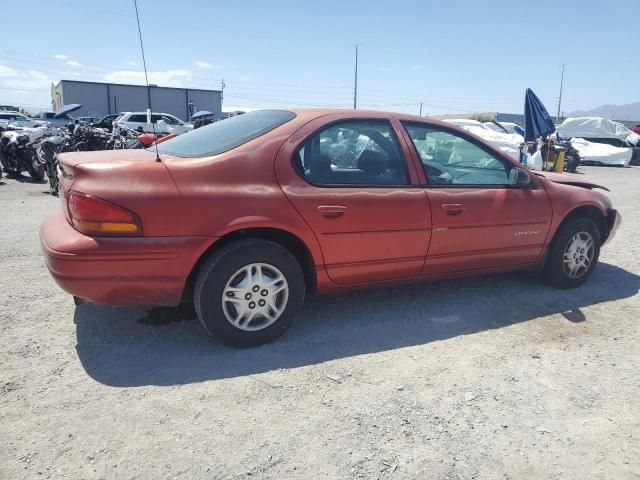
[(134, 85)]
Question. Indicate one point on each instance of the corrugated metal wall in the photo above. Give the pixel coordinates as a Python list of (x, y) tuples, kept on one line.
[(98, 99)]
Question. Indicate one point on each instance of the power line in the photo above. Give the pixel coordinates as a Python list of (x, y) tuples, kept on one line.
[(310, 90)]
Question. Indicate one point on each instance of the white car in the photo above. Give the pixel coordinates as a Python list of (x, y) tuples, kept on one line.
[(164, 122), (509, 143), (466, 122), (502, 127), (18, 119)]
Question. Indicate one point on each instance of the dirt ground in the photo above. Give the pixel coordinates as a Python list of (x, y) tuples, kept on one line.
[(497, 377)]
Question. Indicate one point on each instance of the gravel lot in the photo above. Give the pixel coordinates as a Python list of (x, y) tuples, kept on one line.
[(497, 377)]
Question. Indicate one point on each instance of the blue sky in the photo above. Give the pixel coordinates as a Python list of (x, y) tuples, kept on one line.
[(454, 56)]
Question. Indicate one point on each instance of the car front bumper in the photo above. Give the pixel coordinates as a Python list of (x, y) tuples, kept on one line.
[(614, 219), (119, 270)]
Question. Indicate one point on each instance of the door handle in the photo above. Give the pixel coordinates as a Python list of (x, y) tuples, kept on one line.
[(332, 211), (453, 208)]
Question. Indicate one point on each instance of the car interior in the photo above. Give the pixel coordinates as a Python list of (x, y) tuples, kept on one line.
[(352, 154), (452, 160)]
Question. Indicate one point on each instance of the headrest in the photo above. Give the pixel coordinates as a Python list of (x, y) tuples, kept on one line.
[(373, 162), (320, 166)]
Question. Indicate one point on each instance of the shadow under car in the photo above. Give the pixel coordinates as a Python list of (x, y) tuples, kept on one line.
[(117, 350)]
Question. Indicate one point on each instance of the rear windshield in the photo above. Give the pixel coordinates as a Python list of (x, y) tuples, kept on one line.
[(224, 135)]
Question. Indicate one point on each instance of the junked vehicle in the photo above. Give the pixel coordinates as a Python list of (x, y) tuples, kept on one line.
[(106, 122), (246, 216), (504, 127), (17, 156), (47, 150), (605, 131), (509, 143), (88, 120)]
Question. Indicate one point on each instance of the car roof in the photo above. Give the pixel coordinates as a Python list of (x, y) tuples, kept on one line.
[(308, 114), (144, 113)]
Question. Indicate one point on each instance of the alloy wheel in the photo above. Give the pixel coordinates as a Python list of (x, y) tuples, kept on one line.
[(578, 255), (255, 296)]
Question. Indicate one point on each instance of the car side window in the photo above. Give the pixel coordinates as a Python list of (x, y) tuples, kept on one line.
[(449, 159), (138, 118), (355, 152)]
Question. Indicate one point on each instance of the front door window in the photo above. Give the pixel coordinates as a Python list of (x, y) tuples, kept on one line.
[(449, 159)]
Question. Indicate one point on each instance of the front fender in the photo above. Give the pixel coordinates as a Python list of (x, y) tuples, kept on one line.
[(566, 199)]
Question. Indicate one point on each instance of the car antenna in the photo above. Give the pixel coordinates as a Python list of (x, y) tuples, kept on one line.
[(146, 78)]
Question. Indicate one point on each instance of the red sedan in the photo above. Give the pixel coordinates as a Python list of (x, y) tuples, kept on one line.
[(246, 216)]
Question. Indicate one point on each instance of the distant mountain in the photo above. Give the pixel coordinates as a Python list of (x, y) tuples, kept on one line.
[(630, 112)]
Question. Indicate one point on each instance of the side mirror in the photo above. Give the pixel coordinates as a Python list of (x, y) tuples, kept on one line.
[(519, 177)]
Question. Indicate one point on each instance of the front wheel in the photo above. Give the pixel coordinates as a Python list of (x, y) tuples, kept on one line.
[(249, 292), (573, 254)]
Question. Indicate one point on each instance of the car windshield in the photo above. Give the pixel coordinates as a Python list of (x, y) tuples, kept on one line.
[(224, 135)]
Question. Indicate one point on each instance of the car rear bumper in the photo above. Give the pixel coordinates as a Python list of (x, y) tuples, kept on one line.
[(119, 271), (614, 219)]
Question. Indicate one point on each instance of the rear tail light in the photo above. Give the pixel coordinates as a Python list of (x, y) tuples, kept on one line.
[(94, 216)]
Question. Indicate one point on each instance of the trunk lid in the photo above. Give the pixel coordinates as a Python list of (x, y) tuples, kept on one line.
[(112, 160)]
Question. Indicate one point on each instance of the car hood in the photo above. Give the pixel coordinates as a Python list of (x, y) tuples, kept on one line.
[(569, 179)]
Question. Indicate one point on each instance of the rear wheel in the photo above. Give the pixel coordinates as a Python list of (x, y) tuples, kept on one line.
[(573, 254), (249, 292)]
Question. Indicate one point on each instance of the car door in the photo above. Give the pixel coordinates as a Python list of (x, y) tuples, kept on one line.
[(480, 220), (350, 181)]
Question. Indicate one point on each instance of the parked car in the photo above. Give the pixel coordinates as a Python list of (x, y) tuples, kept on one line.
[(18, 119), (246, 216), (164, 122), (106, 122), (48, 117)]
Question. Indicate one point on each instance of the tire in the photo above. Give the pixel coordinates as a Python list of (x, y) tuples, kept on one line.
[(37, 173), (53, 186), (224, 293), (571, 164), (556, 271)]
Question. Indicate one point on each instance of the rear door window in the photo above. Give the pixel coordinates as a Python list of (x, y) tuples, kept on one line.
[(354, 152), (138, 118)]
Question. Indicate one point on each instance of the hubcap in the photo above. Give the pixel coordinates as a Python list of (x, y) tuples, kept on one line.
[(255, 296), (578, 255)]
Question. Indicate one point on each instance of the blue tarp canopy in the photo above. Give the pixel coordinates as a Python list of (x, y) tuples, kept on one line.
[(537, 121), (201, 114), (65, 109)]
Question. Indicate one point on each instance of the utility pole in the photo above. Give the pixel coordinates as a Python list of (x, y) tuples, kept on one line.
[(420, 108), (355, 83), (560, 96)]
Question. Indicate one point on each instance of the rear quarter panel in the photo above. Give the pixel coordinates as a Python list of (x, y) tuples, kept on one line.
[(145, 187), (238, 190)]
